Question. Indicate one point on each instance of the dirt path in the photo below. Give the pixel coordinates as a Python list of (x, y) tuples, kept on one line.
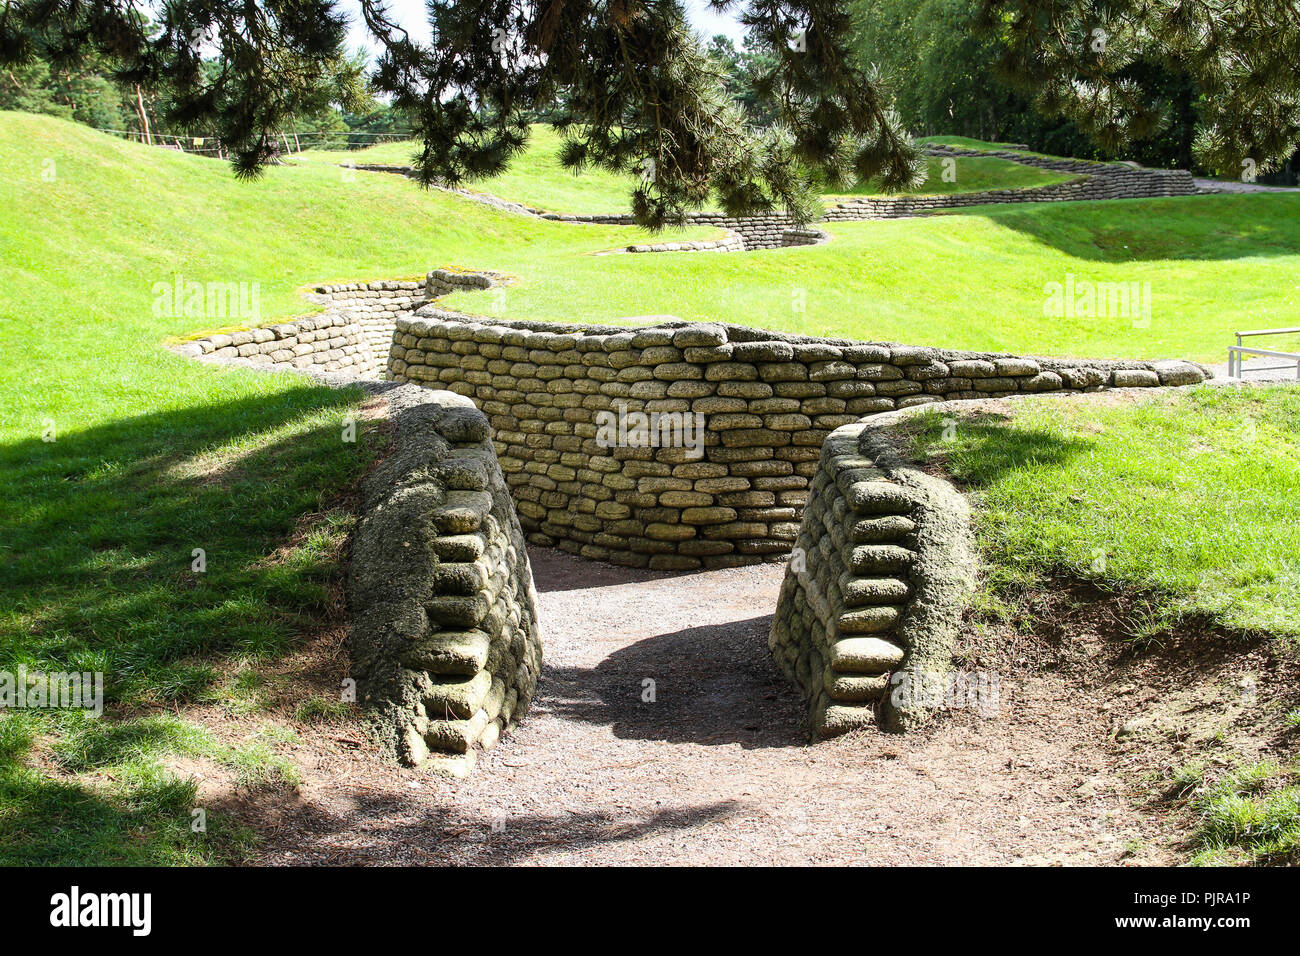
[(717, 769)]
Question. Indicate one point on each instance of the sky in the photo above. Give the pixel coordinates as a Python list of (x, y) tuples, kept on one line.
[(410, 14)]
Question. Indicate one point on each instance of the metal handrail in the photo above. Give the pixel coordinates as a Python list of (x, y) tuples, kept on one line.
[(1236, 353), (1267, 332)]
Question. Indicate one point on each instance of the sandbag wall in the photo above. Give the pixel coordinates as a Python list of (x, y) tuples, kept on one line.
[(1096, 181), (373, 306), (329, 342), (444, 633), (765, 403), (352, 336), (775, 230), (873, 595)]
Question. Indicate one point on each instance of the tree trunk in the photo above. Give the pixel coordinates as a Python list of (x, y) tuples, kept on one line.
[(145, 136)]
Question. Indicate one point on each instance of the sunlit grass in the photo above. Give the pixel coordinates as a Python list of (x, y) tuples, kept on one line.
[(1191, 498)]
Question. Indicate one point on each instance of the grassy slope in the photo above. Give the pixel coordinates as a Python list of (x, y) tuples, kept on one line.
[(969, 280), (536, 178), (975, 280), (966, 142), (155, 456), (972, 174), (1191, 497)]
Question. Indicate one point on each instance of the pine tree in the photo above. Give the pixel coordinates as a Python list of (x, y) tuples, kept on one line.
[(627, 81), (1086, 61)]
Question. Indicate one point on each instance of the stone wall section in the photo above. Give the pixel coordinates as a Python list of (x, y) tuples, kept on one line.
[(873, 595), (767, 402), (443, 618), (352, 336)]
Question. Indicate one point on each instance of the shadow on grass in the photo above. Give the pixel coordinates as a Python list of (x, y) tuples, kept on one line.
[(98, 573), (52, 819), (1182, 228), (102, 526), (987, 446)]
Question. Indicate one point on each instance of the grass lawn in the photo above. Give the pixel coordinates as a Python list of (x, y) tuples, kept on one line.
[(536, 178), (1250, 816), (972, 280), (1187, 500), (153, 456), (971, 174), (1188, 497), (966, 142)]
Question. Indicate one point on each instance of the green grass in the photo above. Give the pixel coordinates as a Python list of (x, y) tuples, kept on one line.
[(972, 174), (974, 280), (107, 797), (1187, 501), (155, 456), (1191, 499), (966, 142), (1249, 817), (536, 178)]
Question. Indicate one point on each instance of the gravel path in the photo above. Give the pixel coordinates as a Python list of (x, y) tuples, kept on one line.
[(717, 769), (1232, 186), (1258, 370)]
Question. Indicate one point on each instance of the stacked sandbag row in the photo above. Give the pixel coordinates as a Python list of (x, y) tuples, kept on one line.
[(1096, 181), (444, 623), (373, 306), (845, 589), (330, 342), (1127, 180), (732, 242), (874, 591), (763, 403), (775, 230)]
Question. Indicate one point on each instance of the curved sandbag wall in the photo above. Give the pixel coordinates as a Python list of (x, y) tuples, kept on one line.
[(690, 445), (674, 446), (443, 618)]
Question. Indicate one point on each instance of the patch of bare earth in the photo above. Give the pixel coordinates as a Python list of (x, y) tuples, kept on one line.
[(716, 769)]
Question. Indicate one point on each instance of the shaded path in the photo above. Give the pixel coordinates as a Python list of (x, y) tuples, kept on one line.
[(716, 769)]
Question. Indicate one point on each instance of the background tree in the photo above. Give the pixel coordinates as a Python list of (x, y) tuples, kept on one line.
[(77, 89), (1097, 64), (941, 59), (627, 80), (740, 68)]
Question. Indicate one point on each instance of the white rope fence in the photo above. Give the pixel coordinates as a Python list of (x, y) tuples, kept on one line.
[(295, 141)]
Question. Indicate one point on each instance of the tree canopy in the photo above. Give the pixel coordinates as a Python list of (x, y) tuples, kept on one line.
[(627, 80), (1086, 61), (634, 89)]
